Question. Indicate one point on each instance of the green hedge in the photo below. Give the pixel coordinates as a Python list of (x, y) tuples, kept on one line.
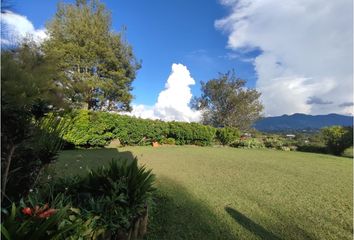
[(227, 135), (90, 129), (97, 129), (248, 143)]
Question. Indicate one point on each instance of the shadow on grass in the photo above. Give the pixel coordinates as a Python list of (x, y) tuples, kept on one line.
[(176, 214), (76, 162), (251, 225)]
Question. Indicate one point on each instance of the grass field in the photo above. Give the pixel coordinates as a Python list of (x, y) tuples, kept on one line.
[(228, 193)]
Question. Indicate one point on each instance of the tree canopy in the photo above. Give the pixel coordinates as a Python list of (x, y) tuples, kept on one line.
[(337, 138), (226, 102), (97, 64)]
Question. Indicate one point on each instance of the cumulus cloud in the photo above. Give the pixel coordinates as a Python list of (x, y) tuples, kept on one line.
[(306, 50), (16, 27), (173, 101)]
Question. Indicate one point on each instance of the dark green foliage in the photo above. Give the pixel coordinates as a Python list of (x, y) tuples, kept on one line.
[(25, 83), (48, 139), (227, 135), (312, 147), (33, 153), (28, 93), (97, 129), (118, 194), (337, 138)]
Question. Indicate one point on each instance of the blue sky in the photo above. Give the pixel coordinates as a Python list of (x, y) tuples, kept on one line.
[(297, 53), (161, 33)]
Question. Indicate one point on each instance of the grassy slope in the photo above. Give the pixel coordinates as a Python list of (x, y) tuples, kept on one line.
[(227, 193)]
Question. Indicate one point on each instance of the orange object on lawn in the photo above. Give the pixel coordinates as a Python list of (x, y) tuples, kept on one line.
[(155, 144)]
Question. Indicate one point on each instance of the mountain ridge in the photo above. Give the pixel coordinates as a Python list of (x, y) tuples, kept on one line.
[(301, 121)]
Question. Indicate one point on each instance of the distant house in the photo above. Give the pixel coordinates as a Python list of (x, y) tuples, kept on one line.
[(245, 136), (290, 135)]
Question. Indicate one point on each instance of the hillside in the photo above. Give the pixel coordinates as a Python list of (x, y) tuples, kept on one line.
[(298, 122)]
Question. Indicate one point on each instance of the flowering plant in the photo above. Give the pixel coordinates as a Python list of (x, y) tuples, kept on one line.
[(34, 223), (39, 212)]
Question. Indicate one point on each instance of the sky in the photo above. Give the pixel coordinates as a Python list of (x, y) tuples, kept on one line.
[(297, 53)]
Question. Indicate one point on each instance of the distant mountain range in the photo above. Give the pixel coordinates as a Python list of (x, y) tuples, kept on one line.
[(301, 122)]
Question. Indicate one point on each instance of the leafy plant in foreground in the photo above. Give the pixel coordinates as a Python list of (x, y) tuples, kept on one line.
[(35, 223), (115, 198)]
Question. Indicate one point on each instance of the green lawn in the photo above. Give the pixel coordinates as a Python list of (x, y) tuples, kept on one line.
[(228, 193)]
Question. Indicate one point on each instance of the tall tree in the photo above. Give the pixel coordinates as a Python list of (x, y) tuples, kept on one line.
[(98, 65), (28, 93), (226, 102)]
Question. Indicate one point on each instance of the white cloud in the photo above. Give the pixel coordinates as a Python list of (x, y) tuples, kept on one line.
[(17, 27), (173, 101), (306, 50)]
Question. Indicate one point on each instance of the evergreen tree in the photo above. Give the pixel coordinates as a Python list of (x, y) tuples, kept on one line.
[(97, 65)]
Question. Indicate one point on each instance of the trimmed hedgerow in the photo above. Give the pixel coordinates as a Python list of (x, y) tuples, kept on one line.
[(97, 129), (90, 129), (191, 133), (227, 135)]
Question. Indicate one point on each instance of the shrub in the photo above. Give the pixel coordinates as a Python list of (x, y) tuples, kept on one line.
[(273, 143), (348, 152), (337, 138), (21, 169), (227, 135), (285, 148), (312, 147), (119, 195), (169, 141), (293, 148), (34, 219), (248, 143)]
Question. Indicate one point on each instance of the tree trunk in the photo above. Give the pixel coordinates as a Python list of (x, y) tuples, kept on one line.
[(143, 224), (7, 169), (89, 104)]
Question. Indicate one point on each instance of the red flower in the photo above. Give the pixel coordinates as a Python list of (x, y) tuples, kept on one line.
[(27, 211), (47, 213), (39, 212)]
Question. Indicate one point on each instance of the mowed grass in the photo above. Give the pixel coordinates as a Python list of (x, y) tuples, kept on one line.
[(228, 193)]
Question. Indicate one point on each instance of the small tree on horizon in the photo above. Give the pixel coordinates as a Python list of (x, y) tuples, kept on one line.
[(226, 102), (337, 138)]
